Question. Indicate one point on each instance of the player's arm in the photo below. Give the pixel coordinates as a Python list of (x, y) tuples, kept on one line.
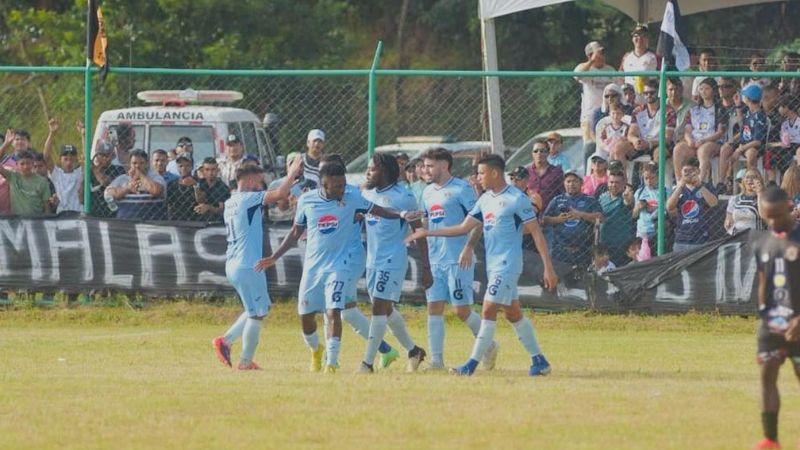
[(465, 258), (282, 193), (153, 187), (52, 128), (672, 201), (463, 228), (550, 277), (288, 242), (422, 245)]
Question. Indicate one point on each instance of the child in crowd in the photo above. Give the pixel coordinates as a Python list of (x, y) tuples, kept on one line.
[(601, 262), (67, 177)]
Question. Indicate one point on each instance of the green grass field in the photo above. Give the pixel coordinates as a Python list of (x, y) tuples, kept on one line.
[(120, 378)]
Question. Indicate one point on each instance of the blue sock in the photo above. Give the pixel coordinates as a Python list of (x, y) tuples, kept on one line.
[(252, 329), (472, 364), (384, 347), (235, 331)]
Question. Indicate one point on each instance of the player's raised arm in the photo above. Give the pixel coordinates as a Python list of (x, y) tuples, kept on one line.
[(282, 193), (288, 242), (550, 277)]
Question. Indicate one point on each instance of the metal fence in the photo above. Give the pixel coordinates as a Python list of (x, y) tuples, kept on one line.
[(429, 103)]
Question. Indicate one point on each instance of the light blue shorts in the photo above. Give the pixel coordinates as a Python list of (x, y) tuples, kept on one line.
[(451, 283), (501, 287), (385, 284), (322, 291), (252, 289)]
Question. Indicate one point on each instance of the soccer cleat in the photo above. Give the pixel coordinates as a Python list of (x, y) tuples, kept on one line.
[(466, 370), (435, 367), (540, 366), (490, 356), (766, 443), (223, 350), (331, 368), (365, 368), (415, 357), (316, 358), (388, 358), (249, 366)]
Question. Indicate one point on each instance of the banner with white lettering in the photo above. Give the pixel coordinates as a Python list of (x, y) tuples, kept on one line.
[(166, 259)]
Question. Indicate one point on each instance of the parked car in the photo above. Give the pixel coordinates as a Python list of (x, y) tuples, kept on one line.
[(414, 146), (180, 114), (572, 148)]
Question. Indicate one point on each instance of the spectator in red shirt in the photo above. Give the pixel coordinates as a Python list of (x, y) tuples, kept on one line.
[(545, 179)]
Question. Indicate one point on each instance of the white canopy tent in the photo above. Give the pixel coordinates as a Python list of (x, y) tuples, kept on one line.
[(641, 10)]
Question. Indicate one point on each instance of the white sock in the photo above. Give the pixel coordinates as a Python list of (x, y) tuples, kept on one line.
[(398, 326), (325, 326), (377, 329), (357, 320), (526, 335), (312, 340), (474, 322), (332, 350), (252, 329), (236, 330), (436, 338), (484, 339)]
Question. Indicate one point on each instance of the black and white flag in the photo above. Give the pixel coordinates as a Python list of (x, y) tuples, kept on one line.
[(670, 45)]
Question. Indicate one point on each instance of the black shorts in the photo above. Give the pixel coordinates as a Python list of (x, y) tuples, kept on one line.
[(772, 346)]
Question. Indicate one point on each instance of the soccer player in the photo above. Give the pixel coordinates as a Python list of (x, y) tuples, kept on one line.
[(351, 314), (328, 215), (387, 259), (245, 234), (446, 202), (778, 258), (505, 213)]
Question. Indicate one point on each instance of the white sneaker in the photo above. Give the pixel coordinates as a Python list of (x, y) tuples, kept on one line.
[(363, 368), (435, 367), (415, 358), (490, 357)]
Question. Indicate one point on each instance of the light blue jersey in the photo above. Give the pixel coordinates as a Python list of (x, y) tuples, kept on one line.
[(330, 225), (358, 253), (385, 247), (503, 216), (445, 206), (243, 222)]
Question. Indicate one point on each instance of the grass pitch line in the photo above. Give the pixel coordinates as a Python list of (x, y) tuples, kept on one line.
[(126, 335)]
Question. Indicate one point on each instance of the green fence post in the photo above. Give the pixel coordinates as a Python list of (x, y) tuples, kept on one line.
[(662, 156), (87, 139), (372, 99)]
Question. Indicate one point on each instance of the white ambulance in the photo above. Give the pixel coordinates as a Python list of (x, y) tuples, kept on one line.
[(180, 114)]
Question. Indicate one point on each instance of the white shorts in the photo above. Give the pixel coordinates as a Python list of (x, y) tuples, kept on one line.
[(451, 283), (252, 289), (501, 287), (385, 284), (322, 291)]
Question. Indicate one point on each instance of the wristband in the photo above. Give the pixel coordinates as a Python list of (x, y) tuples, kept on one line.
[(403, 214)]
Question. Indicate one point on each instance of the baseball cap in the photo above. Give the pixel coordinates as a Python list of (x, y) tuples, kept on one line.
[(640, 28), (572, 173), (612, 87), (250, 157), (753, 92), (104, 148), (592, 47), (233, 139), (740, 174), (598, 155), (316, 134), (68, 149), (519, 173)]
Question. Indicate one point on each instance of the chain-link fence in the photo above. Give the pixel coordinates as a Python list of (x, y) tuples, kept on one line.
[(539, 112)]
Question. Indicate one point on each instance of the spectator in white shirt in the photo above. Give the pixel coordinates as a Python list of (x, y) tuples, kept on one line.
[(592, 96), (640, 59)]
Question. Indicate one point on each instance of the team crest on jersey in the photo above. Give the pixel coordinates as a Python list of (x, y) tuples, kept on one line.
[(436, 213), (372, 220), (791, 253), (489, 222), (327, 224)]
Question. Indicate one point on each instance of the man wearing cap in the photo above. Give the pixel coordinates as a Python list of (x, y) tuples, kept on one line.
[(592, 86), (67, 177), (20, 140), (555, 157), (545, 179), (692, 201), (103, 173), (315, 144), (234, 157), (184, 147), (640, 59), (598, 174), (751, 139), (572, 216), (646, 126)]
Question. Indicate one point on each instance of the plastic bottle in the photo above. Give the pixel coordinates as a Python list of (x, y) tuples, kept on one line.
[(112, 204)]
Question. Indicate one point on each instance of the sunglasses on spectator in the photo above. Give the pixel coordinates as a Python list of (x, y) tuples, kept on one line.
[(611, 95), (539, 150), (185, 144), (650, 92)]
